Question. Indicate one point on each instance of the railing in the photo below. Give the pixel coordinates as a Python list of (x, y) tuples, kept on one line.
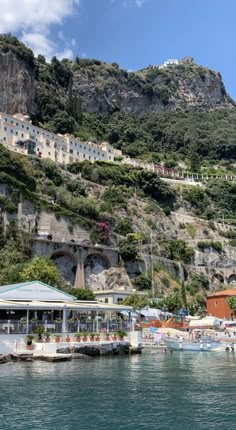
[(21, 326)]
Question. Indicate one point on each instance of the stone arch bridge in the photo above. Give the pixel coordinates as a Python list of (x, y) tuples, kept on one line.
[(76, 261)]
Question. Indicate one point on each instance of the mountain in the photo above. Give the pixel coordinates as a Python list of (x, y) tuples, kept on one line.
[(158, 113), (99, 87), (44, 206)]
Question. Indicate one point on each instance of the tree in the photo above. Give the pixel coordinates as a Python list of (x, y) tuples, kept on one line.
[(41, 269), (136, 301), (80, 293), (143, 281), (63, 123), (231, 302), (171, 303), (129, 247)]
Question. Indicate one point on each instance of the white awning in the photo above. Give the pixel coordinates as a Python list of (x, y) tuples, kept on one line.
[(75, 305)]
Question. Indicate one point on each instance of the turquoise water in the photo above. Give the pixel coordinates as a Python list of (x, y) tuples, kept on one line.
[(149, 391)]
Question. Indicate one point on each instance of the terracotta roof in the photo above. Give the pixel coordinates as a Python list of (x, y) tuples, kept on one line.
[(224, 293)]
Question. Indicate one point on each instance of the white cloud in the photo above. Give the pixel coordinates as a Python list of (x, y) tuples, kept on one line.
[(33, 19), (66, 53), (40, 44)]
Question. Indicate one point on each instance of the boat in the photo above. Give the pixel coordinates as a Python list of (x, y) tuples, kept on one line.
[(199, 345)]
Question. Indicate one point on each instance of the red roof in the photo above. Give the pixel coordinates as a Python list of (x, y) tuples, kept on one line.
[(224, 293)]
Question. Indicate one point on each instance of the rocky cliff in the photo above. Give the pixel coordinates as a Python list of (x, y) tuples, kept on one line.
[(106, 88), (27, 84), (17, 83)]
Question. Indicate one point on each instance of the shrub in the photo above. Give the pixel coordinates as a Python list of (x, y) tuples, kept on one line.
[(124, 227), (191, 229), (217, 246), (143, 281), (178, 250), (129, 247)]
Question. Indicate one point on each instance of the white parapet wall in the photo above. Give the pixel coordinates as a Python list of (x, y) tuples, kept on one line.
[(135, 338), (10, 344)]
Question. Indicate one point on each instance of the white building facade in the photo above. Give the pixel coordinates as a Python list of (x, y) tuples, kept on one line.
[(19, 135)]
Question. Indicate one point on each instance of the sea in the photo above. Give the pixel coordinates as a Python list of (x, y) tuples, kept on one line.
[(154, 390)]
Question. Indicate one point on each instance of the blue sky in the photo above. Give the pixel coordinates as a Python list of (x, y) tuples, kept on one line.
[(133, 33)]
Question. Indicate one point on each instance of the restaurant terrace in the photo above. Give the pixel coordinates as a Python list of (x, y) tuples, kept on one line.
[(28, 305)]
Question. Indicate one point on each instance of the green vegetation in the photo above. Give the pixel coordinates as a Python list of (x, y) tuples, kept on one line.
[(137, 301), (217, 199), (143, 281), (41, 269), (177, 250), (231, 302), (11, 43), (195, 135), (80, 293), (191, 229), (217, 246), (129, 247), (171, 303), (121, 175)]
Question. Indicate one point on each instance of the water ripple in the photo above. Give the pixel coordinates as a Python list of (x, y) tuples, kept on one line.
[(180, 391)]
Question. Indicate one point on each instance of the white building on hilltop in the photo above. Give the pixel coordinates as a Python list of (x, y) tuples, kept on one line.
[(169, 63), (19, 135)]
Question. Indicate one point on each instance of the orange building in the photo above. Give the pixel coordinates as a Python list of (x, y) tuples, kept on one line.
[(217, 304)]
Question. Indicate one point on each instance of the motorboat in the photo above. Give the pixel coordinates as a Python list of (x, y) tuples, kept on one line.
[(181, 344)]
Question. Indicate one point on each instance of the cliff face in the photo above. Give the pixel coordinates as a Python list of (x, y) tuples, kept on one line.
[(106, 88), (17, 84), (27, 83)]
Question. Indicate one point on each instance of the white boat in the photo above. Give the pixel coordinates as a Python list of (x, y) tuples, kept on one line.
[(200, 345)]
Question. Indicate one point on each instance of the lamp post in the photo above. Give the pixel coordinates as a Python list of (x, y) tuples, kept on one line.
[(151, 266)]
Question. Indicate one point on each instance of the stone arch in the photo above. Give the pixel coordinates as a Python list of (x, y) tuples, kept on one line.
[(94, 265), (232, 279), (217, 278), (66, 265)]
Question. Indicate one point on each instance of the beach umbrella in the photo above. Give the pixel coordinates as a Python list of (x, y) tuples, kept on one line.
[(153, 329)]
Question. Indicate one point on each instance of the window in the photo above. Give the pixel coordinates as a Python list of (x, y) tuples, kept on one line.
[(106, 300), (49, 153), (89, 157), (12, 122), (84, 155), (17, 123), (23, 126), (37, 132), (27, 128), (22, 135), (11, 131), (71, 151), (16, 133), (5, 128), (4, 138)]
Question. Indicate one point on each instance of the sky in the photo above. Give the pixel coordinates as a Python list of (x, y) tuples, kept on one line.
[(132, 33)]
